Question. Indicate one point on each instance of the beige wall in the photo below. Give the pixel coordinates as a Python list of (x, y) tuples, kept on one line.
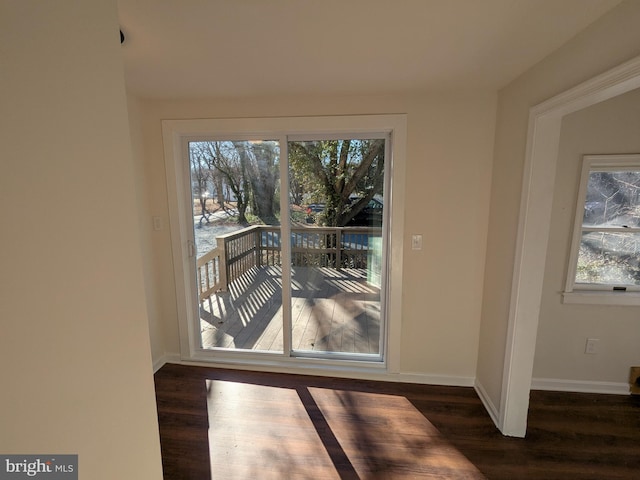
[(609, 127), (609, 42), (145, 221), (448, 168), (75, 363)]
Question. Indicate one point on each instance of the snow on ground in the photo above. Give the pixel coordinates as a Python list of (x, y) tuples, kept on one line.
[(205, 233)]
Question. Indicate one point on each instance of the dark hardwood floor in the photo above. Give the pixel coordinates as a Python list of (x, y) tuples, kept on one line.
[(229, 424)]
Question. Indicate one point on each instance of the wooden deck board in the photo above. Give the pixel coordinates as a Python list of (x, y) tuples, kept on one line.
[(332, 310)]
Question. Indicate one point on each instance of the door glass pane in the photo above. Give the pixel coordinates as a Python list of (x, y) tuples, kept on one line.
[(337, 206), (236, 220)]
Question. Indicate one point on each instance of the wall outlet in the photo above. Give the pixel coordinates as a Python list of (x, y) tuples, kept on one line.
[(592, 346), (634, 380)]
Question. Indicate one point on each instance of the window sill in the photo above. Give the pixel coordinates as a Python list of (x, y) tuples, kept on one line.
[(601, 298)]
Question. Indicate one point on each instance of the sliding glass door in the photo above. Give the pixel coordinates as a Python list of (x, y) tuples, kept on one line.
[(336, 214), (236, 223), (289, 244)]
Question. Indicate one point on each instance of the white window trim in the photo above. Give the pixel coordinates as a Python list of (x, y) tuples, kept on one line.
[(175, 135), (592, 294)]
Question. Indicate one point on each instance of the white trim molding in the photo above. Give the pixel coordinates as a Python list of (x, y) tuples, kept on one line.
[(433, 379), (579, 386), (177, 134), (487, 402), (164, 359), (541, 156), (591, 297), (380, 374)]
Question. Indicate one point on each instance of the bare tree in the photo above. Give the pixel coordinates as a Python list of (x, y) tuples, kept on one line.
[(201, 176), (230, 168), (218, 182), (234, 169), (336, 171), (261, 162)]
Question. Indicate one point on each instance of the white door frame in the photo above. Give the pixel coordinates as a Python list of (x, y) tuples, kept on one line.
[(545, 121), (175, 137)]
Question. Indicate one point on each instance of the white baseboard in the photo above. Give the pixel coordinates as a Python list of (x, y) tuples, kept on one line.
[(579, 386), (166, 358), (488, 404), (427, 379), (420, 378), (557, 385)]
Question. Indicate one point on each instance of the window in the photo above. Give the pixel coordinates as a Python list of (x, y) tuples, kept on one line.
[(605, 257)]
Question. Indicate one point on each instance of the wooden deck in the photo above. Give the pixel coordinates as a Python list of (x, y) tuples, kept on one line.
[(332, 311)]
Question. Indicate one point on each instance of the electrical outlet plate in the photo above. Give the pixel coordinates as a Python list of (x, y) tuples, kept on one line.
[(634, 380), (591, 347)]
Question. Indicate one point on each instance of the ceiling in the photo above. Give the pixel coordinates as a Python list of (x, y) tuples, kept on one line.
[(240, 48)]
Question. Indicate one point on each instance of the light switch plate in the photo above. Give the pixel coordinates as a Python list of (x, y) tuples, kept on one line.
[(416, 242), (158, 224)]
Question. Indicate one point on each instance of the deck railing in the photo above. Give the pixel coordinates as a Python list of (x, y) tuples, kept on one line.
[(260, 245), (211, 273)]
